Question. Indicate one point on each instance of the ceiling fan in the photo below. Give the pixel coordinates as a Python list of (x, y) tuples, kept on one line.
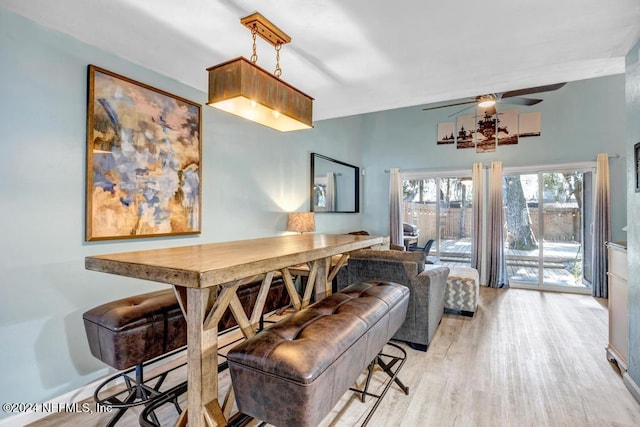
[(509, 97)]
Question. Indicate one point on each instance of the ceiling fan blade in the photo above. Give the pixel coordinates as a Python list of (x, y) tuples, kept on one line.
[(522, 101), (529, 91), (464, 109), (449, 105)]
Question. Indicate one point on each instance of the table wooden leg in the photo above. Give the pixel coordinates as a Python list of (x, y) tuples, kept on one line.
[(202, 358), (229, 401), (213, 414), (311, 280), (181, 296), (256, 314), (241, 317), (343, 259), (323, 286), (293, 293), (182, 419)]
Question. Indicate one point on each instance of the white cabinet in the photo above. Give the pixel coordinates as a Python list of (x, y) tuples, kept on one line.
[(618, 347)]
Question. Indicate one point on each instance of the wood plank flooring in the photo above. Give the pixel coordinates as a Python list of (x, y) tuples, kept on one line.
[(527, 358)]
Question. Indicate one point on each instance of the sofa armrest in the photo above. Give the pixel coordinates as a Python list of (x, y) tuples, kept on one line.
[(391, 256), (426, 305), (363, 270), (367, 269), (436, 277)]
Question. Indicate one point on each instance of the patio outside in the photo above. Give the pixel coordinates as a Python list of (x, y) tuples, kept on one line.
[(562, 262), (542, 216), (562, 255)]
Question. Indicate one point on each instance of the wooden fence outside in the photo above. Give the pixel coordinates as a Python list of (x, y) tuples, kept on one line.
[(561, 224)]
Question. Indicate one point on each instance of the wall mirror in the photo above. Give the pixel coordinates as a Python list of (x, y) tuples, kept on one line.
[(335, 185)]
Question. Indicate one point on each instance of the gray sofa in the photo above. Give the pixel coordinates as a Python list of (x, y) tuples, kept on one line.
[(426, 283)]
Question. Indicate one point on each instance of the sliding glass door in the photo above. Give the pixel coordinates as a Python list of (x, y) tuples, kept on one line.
[(441, 209), (546, 238)]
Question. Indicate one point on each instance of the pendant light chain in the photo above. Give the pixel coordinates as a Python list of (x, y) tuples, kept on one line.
[(255, 93), (254, 33), (278, 71), (254, 56)]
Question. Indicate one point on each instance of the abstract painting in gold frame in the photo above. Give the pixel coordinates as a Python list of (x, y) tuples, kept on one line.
[(143, 160)]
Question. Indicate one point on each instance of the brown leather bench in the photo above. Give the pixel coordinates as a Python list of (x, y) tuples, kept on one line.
[(294, 372), (135, 329), (130, 333)]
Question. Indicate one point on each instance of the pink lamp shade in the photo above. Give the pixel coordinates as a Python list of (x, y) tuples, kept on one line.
[(301, 222)]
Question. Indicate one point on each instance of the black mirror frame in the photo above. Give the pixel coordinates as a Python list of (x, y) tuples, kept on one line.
[(356, 179)]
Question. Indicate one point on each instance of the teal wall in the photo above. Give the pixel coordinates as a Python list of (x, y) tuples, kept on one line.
[(251, 177), (633, 207), (579, 121)]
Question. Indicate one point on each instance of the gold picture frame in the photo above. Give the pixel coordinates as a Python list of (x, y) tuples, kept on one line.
[(144, 156)]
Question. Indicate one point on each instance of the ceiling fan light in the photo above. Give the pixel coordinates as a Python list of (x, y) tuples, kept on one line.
[(486, 101)]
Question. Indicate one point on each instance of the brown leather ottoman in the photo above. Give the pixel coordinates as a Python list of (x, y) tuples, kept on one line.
[(294, 372), (136, 329), (133, 331)]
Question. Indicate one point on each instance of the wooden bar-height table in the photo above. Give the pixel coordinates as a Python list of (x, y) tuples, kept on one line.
[(196, 272)]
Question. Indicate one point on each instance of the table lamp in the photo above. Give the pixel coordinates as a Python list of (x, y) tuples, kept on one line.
[(301, 222)]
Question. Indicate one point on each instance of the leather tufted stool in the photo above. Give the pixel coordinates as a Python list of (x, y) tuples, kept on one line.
[(131, 333), (132, 330), (294, 372), (127, 334)]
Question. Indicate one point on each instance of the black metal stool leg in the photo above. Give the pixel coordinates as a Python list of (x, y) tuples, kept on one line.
[(388, 368), (116, 417), (137, 391), (370, 368), (170, 395)]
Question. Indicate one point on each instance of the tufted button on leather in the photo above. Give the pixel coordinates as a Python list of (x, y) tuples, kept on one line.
[(294, 372)]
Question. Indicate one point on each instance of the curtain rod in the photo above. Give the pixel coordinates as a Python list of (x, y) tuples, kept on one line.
[(611, 156), (424, 170)]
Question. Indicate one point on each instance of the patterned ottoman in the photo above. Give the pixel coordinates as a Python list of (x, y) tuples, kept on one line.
[(461, 292)]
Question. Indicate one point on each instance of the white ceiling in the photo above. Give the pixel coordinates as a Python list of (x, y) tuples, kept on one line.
[(361, 56)]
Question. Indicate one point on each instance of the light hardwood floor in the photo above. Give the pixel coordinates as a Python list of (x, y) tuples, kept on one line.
[(527, 358)]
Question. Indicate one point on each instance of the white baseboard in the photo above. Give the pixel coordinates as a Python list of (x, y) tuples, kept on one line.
[(74, 396), (631, 386)]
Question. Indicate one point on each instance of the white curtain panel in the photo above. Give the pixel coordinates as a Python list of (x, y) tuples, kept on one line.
[(395, 208), (602, 227), (496, 273), (330, 198), (476, 225)]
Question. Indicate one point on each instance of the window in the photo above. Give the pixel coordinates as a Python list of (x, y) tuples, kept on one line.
[(440, 207)]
